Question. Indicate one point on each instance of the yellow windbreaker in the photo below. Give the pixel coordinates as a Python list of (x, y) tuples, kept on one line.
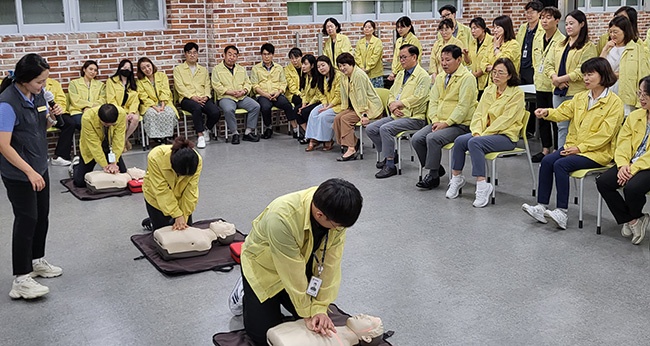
[(464, 34), (629, 139), (53, 86), (115, 94), (521, 34), (361, 94), (434, 64), (634, 65), (81, 96), (510, 49), (276, 251), (342, 45), (310, 95), (188, 84), (414, 94), (166, 191), (408, 39), (269, 81), (332, 96), (152, 95), (92, 136), (367, 55), (542, 81), (223, 80), (476, 56), (456, 103), (574, 61), (592, 130), (499, 116), (293, 82)]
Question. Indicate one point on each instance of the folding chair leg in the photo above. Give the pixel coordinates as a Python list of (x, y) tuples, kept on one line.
[(361, 142), (145, 143), (185, 122), (599, 214), (399, 158), (582, 191), (494, 174)]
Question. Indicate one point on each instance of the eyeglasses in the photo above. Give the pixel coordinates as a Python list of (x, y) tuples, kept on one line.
[(447, 15), (641, 95), (404, 57), (192, 52), (499, 73)]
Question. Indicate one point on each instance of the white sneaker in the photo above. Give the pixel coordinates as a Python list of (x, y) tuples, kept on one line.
[(455, 184), (483, 195), (27, 288), (236, 299), (59, 161), (206, 134), (626, 231), (45, 270), (557, 216), (638, 229), (200, 143), (535, 211), (75, 160)]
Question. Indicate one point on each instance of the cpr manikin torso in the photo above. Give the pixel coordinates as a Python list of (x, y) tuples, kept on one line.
[(192, 241), (359, 330)]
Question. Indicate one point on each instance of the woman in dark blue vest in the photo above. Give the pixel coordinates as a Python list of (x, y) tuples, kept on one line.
[(24, 119)]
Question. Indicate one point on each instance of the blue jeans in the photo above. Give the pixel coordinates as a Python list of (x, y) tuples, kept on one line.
[(562, 126), (478, 147)]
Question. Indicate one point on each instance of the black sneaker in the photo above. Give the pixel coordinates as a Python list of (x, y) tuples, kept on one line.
[(147, 225), (537, 158), (251, 137), (268, 133), (235, 139), (386, 172)]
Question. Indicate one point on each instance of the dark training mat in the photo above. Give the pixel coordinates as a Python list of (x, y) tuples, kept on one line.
[(239, 337), (82, 193), (217, 259)]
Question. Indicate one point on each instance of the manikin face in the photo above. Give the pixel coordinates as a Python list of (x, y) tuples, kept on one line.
[(90, 72), (592, 80), (572, 26), (306, 67), (644, 99), (449, 64), (295, 61), (346, 69), (230, 58), (477, 31), (616, 34), (532, 16), (192, 56), (146, 68), (548, 22), (403, 30), (365, 327), (406, 59), (330, 28), (323, 68), (446, 33), (36, 85), (267, 58), (500, 76), (368, 29)]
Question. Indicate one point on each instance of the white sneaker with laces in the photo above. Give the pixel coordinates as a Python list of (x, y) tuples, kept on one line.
[(558, 216), (206, 134), (27, 288), (483, 195), (535, 211), (59, 161), (75, 160), (626, 231), (638, 229), (200, 143), (455, 184), (44, 269), (236, 299)]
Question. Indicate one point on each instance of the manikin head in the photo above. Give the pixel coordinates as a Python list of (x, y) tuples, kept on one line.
[(368, 329)]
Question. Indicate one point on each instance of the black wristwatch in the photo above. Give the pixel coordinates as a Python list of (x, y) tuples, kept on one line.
[(365, 115)]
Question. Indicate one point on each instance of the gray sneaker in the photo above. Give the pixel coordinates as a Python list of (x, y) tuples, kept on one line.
[(639, 228), (626, 231), (27, 288), (557, 216), (236, 299), (535, 211), (45, 270)]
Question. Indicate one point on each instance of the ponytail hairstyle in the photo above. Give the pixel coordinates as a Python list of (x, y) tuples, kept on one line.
[(27, 68), (184, 159), (330, 76), (374, 27), (404, 21), (480, 22)]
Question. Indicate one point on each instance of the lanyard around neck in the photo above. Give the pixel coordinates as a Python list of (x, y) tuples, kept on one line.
[(322, 261)]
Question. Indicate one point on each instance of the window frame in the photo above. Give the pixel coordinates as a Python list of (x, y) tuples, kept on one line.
[(587, 8)]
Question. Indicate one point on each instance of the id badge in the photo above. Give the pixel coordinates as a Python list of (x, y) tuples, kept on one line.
[(314, 286), (525, 53), (111, 157), (541, 68)]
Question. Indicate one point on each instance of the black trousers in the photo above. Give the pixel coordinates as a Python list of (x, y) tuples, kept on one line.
[(82, 168), (303, 116), (159, 220), (31, 211), (281, 102), (260, 317), (547, 129), (629, 206), (211, 110), (64, 144)]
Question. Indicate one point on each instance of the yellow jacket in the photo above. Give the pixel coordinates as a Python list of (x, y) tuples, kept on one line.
[(293, 82), (602, 41), (53, 86), (647, 39), (81, 96), (510, 49), (464, 34), (276, 251), (152, 95), (456, 103), (634, 65), (408, 39), (521, 34), (434, 64), (92, 136), (592, 130), (574, 61), (268, 81), (542, 81), (223, 80), (332, 97), (342, 45), (166, 191), (369, 57), (362, 95), (629, 139), (414, 94), (311, 95), (499, 116), (476, 56), (188, 84), (115, 94)]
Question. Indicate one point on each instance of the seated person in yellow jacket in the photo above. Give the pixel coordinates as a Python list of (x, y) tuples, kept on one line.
[(171, 184), (596, 116), (102, 142), (407, 103), (122, 91), (270, 83), (296, 242), (232, 85), (452, 101)]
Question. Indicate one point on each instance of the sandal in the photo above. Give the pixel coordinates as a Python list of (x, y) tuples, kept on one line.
[(328, 146), (312, 145)]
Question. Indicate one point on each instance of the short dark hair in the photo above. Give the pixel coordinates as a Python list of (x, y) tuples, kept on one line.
[(446, 23), (184, 160), (142, 61), (189, 46), (335, 22), (229, 47), (86, 64), (553, 11), (626, 26), (27, 69), (535, 5), (411, 49), (268, 47), (480, 22), (295, 52), (404, 21), (450, 8), (583, 36), (339, 200), (452, 49), (603, 68), (508, 30), (345, 58), (632, 15), (512, 70), (108, 113), (645, 79)]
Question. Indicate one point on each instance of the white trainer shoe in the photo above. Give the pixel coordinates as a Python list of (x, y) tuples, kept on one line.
[(59, 161), (557, 216), (236, 299), (200, 143), (626, 231), (638, 229), (206, 134), (483, 196), (44, 269), (535, 211), (75, 160), (455, 184), (27, 288)]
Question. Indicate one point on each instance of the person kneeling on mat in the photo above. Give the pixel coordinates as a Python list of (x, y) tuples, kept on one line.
[(103, 131), (292, 257), (171, 184)]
